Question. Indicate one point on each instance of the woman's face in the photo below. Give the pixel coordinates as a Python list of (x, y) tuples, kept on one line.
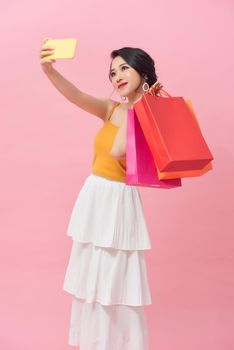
[(122, 72)]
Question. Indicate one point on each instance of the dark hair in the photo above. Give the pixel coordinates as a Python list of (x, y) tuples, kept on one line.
[(138, 59)]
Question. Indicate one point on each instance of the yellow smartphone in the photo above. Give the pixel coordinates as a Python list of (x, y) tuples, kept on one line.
[(63, 48)]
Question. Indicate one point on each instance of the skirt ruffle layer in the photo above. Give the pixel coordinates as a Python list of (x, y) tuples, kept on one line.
[(114, 327), (109, 213), (107, 275)]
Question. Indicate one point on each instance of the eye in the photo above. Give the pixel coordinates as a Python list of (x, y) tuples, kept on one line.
[(112, 74)]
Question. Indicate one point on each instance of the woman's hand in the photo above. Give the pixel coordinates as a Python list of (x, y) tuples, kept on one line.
[(46, 62)]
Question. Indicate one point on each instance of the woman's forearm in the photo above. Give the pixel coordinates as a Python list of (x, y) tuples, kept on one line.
[(64, 86)]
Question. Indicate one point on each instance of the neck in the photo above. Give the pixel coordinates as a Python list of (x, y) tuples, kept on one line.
[(132, 100)]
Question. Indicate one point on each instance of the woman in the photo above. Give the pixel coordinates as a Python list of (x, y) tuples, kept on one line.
[(106, 273)]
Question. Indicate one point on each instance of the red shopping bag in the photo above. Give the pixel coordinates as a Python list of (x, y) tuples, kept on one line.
[(140, 166), (172, 133), (186, 173)]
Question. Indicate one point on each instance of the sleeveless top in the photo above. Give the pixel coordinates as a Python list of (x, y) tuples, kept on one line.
[(104, 164)]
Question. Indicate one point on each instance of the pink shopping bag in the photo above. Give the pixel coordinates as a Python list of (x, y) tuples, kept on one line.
[(140, 166)]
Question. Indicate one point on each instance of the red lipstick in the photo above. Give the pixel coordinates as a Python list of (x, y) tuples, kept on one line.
[(123, 84)]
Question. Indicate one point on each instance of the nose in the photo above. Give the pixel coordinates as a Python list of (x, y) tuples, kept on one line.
[(118, 79)]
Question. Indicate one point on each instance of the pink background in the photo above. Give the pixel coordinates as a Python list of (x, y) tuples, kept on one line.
[(46, 152)]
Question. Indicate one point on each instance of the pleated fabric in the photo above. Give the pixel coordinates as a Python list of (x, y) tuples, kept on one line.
[(106, 273)]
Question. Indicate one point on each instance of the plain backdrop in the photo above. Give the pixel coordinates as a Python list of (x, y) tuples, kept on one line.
[(46, 149)]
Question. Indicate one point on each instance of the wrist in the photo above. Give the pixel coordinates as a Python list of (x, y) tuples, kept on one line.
[(49, 70)]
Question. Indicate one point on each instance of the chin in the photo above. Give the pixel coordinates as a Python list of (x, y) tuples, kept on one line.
[(125, 94)]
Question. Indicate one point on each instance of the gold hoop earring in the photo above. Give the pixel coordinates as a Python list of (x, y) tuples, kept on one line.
[(145, 86)]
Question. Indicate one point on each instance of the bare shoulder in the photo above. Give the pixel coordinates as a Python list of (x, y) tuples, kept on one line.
[(118, 113), (110, 106)]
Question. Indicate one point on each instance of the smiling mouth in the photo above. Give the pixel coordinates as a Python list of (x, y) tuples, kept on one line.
[(122, 85)]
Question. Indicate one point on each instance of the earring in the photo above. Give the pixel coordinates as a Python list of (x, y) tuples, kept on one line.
[(145, 86), (123, 98)]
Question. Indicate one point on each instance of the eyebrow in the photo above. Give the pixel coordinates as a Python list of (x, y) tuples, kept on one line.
[(119, 66)]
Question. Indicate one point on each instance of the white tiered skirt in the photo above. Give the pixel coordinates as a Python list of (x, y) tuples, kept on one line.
[(106, 273)]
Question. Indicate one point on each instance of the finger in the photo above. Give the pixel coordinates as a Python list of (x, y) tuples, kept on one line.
[(45, 54), (44, 60), (44, 47)]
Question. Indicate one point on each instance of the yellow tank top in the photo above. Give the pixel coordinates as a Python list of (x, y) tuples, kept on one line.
[(103, 163)]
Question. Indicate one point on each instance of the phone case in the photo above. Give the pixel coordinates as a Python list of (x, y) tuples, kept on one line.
[(63, 48)]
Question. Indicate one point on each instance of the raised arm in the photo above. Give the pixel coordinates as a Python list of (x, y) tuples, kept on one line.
[(99, 107)]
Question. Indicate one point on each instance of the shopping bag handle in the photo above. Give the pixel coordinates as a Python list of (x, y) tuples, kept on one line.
[(157, 89)]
